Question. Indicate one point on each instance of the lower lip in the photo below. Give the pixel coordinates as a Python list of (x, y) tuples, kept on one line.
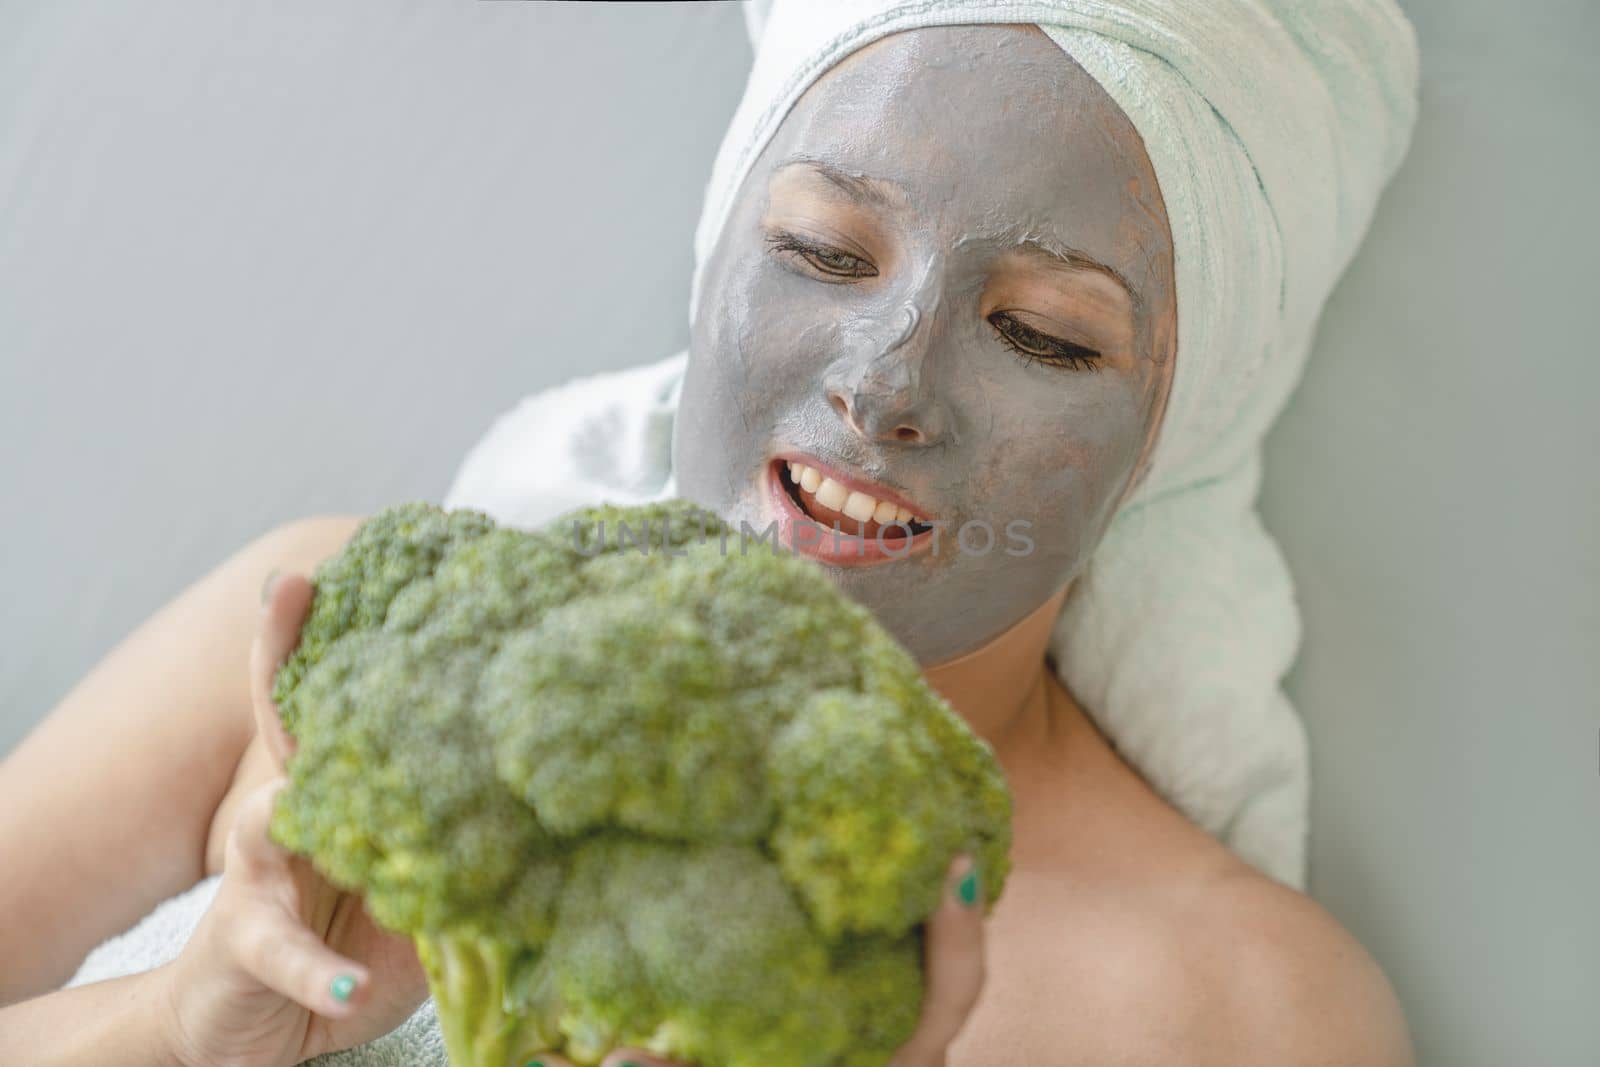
[(808, 537)]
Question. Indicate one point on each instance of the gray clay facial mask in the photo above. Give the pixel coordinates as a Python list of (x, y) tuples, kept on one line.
[(945, 288)]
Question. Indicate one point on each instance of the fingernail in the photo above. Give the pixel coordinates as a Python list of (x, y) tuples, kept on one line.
[(342, 987), (967, 888), (266, 586), (534, 1063)]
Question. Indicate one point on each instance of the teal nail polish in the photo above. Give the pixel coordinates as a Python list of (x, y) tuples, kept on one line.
[(534, 1063), (342, 987), (967, 888)]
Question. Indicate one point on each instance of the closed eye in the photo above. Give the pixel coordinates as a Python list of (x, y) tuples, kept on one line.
[(825, 259), (1035, 346)]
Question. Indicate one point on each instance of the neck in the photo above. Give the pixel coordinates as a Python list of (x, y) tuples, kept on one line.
[(1001, 688)]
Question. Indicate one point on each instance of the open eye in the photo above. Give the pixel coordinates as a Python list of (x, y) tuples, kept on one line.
[(1032, 345), (825, 259)]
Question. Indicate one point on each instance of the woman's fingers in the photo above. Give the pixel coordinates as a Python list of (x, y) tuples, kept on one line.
[(251, 855), (285, 598), (953, 962), (270, 941), (281, 953)]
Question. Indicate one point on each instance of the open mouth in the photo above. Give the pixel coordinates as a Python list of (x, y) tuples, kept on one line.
[(852, 511), (819, 516)]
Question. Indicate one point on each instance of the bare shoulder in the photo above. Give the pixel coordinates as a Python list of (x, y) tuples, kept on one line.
[(1226, 969), (1281, 982), (1126, 934)]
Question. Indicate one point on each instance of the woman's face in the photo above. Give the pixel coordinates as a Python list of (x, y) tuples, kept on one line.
[(946, 285)]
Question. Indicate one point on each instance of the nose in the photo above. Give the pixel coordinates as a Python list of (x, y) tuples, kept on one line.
[(884, 392)]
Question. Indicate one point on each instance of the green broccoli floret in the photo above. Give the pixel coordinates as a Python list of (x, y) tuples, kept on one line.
[(643, 790)]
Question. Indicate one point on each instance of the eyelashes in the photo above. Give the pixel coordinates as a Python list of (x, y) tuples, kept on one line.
[(1030, 345), (821, 257), (1034, 346)]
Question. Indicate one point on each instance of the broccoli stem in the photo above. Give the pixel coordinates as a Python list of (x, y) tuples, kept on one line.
[(469, 978)]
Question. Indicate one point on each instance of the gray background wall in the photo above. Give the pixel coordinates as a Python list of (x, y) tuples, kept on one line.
[(264, 261)]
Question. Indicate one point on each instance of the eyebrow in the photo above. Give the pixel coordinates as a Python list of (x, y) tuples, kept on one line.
[(1041, 246), (1056, 254), (864, 190)]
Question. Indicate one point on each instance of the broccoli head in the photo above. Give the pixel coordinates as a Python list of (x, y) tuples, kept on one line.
[(628, 782)]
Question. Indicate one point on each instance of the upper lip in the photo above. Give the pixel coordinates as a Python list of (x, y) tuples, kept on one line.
[(876, 490)]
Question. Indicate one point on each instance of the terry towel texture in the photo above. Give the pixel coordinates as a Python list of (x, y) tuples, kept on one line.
[(1272, 126)]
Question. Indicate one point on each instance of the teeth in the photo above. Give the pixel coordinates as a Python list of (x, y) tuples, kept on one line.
[(830, 494), (859, 506), (853, 502)]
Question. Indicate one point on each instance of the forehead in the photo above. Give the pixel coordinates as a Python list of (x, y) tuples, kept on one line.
[(995, 135)]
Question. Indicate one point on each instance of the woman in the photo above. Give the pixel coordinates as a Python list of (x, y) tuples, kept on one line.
[(948, 272)]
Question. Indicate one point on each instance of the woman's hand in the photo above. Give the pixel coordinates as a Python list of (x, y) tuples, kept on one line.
[(953, 960), (282, 967)]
